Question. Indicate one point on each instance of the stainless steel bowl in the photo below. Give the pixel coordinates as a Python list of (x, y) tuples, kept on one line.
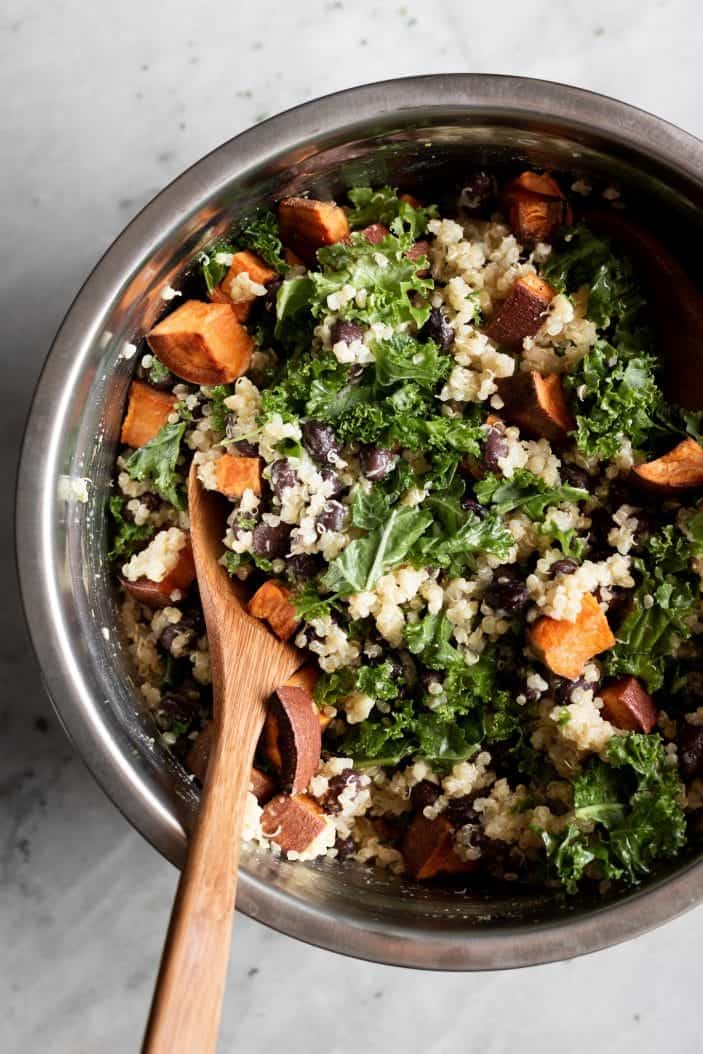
[(423, 133)]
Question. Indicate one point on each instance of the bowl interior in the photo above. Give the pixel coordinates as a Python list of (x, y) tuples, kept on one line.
[(428, 151)]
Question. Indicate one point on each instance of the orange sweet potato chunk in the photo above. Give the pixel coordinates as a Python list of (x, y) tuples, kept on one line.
[(428, 851), (565, 646), (202, 343), (158, 594), (293, 823), (536, 404), (306, 225), (251, 264), (147, 412), (306, 678), (240, 310), (535, 206), (272, 602), (234, 475), (522, 312), (681, 469), (627, 705), (293, 737)]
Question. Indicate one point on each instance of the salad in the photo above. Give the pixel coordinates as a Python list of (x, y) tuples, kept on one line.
[(455, 483)]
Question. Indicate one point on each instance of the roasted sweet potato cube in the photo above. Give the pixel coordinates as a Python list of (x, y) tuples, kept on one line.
[(627, 705), (679, 470), (428, 850), (306, 225), (240, 310), (246, 262), (147, 412), (272, 602), (262, 786), (306, 678), (565, 646), (535, 206), (536, 404), (161, 594), (375, 233), (292, 259), (293, 823), (522, 312), (292, 737), (202, 343), (234, 475)]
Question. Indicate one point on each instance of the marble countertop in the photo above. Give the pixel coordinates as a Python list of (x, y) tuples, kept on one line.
[(99, 109)]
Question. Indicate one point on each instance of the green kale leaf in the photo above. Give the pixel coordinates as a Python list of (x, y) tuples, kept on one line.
[(525, 491), (403, 358), (361, 564), (384, 206), (218, 394), (260, 234), (127, 537), (156, 461)]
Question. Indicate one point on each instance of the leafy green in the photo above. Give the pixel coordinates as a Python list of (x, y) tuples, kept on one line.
[(127, 536), (660, 609), (259, 233), (370, 509), (311, 604), (218, 394), (618, 396), (633, 797), (429, 639), (361, 564), (402, 358), (391, 289), (590, 259), (156, 461), (158, 373), (525, 491), (384, 206), (457, 535)]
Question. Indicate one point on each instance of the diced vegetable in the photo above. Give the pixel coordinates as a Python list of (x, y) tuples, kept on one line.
[(161, 594), (535, 206), (293, 823), (522, 312), (536, 404), (202, 343), (627, 705), (292, 737), (565, 646), (307, 225), (234, 475), (272, 602), (428, 850), (679, 470), (148, 411)]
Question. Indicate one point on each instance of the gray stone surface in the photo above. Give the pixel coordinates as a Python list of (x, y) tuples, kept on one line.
[(100, 106)]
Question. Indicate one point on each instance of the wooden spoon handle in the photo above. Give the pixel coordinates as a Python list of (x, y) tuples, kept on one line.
[(185, 1011)]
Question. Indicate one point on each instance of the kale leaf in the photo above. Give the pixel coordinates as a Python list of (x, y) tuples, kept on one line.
[(361, 564), (402, 358), (525, 491), (156, 461), (127, 536), (384, 206), (260, 234)]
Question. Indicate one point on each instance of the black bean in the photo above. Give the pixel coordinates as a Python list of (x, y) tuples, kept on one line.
[(376, 462), (269, 301), (271, 542), (346, 331), (179, 707), (409, 668), (478, 192), (507, 593), (563, 689), (330, 476), (356, 372), (469, 504), (564, 567), (495, 447), (168, 635), (336, 787), (282, 475), (303, 566), (423, 794), (345, 847), (575, 477), (332, 517), (438, 329), (461, 811), (320, 441), (690, 751), (152, 502), (247, 449)]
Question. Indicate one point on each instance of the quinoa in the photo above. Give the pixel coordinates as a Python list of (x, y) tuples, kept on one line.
[(423, 530)]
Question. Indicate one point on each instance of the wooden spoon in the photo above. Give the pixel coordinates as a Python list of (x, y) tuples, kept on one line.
[(248, 663)]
